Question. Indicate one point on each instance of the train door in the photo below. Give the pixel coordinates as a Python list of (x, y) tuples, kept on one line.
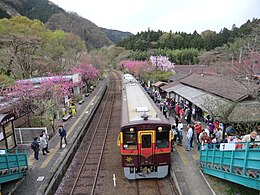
[(146, 149)]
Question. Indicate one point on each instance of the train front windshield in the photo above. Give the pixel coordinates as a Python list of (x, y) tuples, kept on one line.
[(130, 139), (162, 137), (146, 141)]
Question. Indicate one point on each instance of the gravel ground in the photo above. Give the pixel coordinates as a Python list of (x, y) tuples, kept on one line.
[(223, 187)]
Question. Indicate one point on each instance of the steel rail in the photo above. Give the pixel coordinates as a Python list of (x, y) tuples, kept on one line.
[(91, 144)]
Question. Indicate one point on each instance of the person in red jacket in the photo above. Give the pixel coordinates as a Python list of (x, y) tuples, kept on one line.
[(216, 124), (205, 139), (198, 129), (181, 112), (177, 109)]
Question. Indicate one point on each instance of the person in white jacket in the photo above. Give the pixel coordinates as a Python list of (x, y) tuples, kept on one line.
[(252, 137), (46, 137), (180, 129), (189, 136), (43, 144)]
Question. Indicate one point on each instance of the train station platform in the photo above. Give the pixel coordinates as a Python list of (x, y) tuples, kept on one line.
[(48, 170), (185, 170)]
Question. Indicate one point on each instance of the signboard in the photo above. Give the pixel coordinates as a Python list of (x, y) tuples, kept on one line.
[(2, 152), (1, 135), (227, 146), (76, 78)]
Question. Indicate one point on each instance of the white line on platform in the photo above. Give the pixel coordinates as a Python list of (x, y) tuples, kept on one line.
[(207, 183), (114, 179)]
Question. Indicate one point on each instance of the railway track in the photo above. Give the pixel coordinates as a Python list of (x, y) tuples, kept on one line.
[(156, 187), (83, 173), (102, 157)]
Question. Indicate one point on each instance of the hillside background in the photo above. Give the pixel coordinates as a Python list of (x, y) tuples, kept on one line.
[(56, 18)]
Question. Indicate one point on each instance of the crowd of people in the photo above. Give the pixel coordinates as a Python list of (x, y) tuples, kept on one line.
[(211, 134), (194, 117)]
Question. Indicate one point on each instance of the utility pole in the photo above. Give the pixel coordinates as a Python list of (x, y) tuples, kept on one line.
[(156, 65)]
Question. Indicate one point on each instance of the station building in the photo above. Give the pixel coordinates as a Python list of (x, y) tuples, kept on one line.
[(216, 95)]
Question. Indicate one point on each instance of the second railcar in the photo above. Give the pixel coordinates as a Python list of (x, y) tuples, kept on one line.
[(145, 135)]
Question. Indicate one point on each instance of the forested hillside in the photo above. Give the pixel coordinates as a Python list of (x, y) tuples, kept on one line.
[(115, 35), (56, 18), (88, 31), (180, 40), (191, 48)]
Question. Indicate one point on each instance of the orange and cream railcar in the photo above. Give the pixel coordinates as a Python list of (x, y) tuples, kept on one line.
[(145, 135)]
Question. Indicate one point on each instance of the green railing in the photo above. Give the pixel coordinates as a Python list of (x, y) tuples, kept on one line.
[(237, 162), (13, 165)]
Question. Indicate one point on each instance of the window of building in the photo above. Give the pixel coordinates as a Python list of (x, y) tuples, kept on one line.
[(8, 129), (10, 142)]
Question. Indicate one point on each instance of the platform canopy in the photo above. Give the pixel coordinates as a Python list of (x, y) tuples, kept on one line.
[(243, 111), (4, 118)]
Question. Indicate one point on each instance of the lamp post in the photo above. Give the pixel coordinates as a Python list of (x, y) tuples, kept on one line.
[(156, 65)]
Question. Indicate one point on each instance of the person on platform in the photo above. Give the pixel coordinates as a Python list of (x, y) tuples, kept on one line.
[(63, 135), (43, 144), (189, 137), (73, 109), (36, 148), (198, 129), (204, 139), (252, 137), (46, 137), (192, 137), (180, 129)]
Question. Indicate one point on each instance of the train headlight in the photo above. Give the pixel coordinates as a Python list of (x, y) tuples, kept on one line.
[(131, 130), (159, 129)]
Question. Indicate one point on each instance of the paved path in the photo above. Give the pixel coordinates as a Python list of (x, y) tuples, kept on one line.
[(187, 172), (43, 170)]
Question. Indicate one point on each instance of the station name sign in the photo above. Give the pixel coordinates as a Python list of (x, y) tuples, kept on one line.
[(6, 120)]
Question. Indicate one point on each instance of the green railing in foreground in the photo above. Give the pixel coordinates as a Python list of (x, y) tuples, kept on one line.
[(237, 162), (13, 165)]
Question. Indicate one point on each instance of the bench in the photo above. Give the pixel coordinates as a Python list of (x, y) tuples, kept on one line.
[(81, 101), (66, 117)]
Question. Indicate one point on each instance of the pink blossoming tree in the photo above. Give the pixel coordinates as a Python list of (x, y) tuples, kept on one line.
[(41, 97), (161, 63), (136, 67), (87, 72)]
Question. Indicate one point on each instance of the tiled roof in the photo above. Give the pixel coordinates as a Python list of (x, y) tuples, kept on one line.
[(246, 111), (178, 76), (159, 84), (196, 68), (169, 85), (217, 85), (174, 80)]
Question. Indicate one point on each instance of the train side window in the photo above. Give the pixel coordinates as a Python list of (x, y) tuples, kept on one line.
[(162, 138), (130, 140), (146, 141)]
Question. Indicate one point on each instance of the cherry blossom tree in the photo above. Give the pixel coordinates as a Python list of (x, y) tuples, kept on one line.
[(148, 69), (161, 63), (40, 96), (136, 67), (87, 72)]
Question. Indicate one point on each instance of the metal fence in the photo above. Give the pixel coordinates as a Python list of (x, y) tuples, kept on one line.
[(26, 135)]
